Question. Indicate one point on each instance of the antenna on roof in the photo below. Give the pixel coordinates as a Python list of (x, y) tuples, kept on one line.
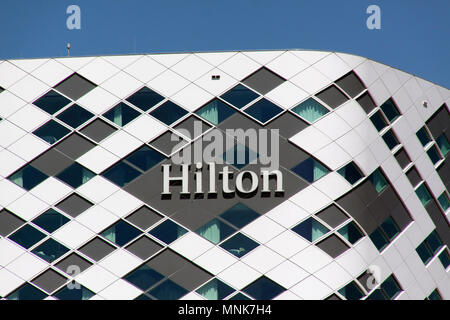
[(68, 49)]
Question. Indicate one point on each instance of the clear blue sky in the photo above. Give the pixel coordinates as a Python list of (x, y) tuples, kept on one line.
[(415, 34)]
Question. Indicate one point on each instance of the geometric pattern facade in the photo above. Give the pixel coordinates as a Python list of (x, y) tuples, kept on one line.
[(363, 151)]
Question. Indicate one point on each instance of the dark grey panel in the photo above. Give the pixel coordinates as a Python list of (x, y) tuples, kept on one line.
[(332, 96), (192, 217), (366, 102), (439, 220), (439, 121), (290, 155), (73, 260), (390, 198), (263, 80), (353, 205), (239, 121), (333, 246), (363, 280), (75, 86), (402, 158), (165, 144), (98, 130), (168, 262), (444, 173), (189, 125), (74, 205), (332, 215), (52, 162), (74, 146), (287, 124), (144, 217), (366, 192), (9, 222), (413, 176), (379, 210), (351, 84), (401, 216), (49, 281), (97, 249), (144, 247), (191, 277)]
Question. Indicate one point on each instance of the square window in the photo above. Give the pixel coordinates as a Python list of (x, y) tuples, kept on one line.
[(351, 173), (351, 84), (51, 220), (75, 86), (413, 176), (445, 259), (391, 287), (402, 158), (51, 102), (168, 290), (145, 158), (121, 233), (168, 231), (215, 290), (27, 236), (239, 96), (310, 110), (332, 215), (424, 194), (144, 277), (263, 289), (351, 291), (121, 114), (9, 222), (74, 205), (434, 155), (423, 136), (98, 130), (215, 231), (145, 99), (332, 96), (390, 139), (27, 292), (434, 295), (168, 113), (378, 180), (75, 116), (310, 229), (390, 228), (443, 144), (215, 111), (74, 294), (76, 175), (28, 177), (366, 102), (50, 250), (444, 201), (121, 174), (424, 252), (378, 121), (51, 132), (239, 245), (379, 239), (263, 110), (390, 110), (310, 169), (333, 246), (239, 215), (263, 80), (434, 242), (351, 232)]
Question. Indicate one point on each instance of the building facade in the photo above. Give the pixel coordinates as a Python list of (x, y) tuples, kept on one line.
[(222, 175)]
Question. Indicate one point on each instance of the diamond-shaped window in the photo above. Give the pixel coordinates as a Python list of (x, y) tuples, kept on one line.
[(51, 220), (168, 290), (351, 84), (97, 249), (239, 96), (351, 173), (215, 231), (145, 99), (121, 114), (240, 156), (50, 250), (76, 175), (239, 245), (168, 112), (310, 169), (144, 217), (27, 177), (121, 174), (263, 80), (145, 158), (51, 132), (215, 290), (263, 289), (239, 215), (9, 222), (144, 277), (332, 96), (215, 111), (168, 231), (311, 229), (67, 293), (390, 139), (263, 110), (351, 232), (168, 142), (75, 86), (351, 291), (74, 205), (144, 247), (390, 110), (378, 121), (27, 236), (51, 102), (98, 130), (121, 233), (310, 110), (75, 116), (27, 292)]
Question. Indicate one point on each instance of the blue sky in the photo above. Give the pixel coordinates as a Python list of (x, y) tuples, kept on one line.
[(414, 34)]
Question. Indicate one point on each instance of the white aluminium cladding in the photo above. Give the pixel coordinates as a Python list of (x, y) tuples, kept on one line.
[(362, 212)]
